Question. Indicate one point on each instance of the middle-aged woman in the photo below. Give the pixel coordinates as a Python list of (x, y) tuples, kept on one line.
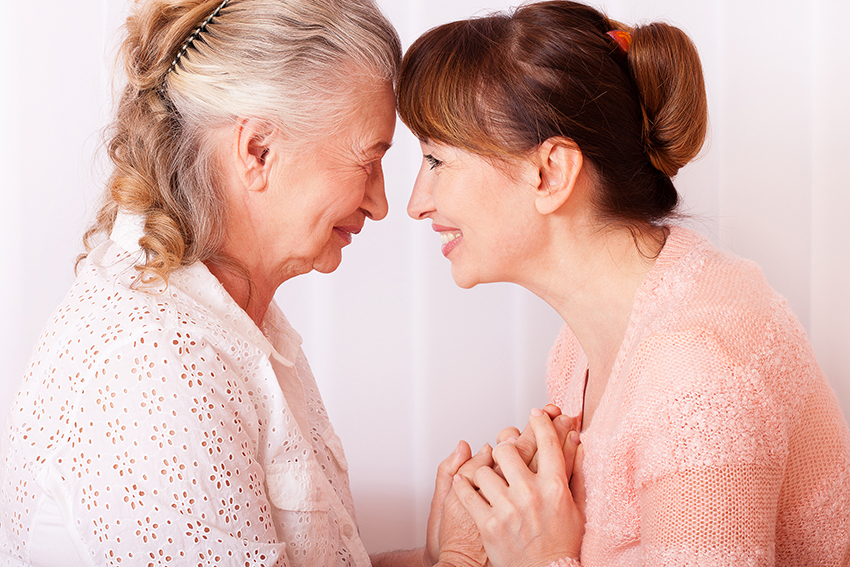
[(169, 416), (710, 437)]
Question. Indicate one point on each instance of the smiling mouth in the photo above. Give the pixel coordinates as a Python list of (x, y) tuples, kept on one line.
[(450, 240), (450, 235), (346, 231)]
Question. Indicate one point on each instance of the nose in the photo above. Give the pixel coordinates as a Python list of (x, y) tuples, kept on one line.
[(375, 204), (420, 204)]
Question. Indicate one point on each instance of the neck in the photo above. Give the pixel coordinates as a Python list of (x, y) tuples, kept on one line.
[(590, 279), (252, 296)]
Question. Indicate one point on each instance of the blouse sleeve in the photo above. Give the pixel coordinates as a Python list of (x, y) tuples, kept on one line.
[(710, 450), (160, 467)]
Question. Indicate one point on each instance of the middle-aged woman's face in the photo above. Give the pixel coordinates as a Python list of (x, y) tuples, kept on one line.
[(484, 213), (324, 193)]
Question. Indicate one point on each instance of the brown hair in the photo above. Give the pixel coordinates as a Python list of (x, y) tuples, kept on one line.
[(501, 85), (285, 62)]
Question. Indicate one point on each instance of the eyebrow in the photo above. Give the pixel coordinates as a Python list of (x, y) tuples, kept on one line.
[(382, 147)]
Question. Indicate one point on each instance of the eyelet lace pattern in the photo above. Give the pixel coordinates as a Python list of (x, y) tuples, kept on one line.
[(170, 431)]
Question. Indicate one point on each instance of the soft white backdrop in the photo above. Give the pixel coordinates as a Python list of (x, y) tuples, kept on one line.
[(408, 363)]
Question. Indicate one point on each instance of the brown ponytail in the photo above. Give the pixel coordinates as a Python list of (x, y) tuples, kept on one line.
[(667, 71), (501, 85)]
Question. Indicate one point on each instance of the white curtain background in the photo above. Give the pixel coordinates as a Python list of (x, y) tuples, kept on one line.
[(408, 363)]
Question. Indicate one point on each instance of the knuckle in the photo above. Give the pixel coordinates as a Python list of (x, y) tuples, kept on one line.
[(508, 432), (480, 475), (549, 443), (468, 497), (445, 468), (492, 525), (502, 450)]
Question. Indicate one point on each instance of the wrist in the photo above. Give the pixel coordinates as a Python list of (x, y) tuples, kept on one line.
[(424, 558)]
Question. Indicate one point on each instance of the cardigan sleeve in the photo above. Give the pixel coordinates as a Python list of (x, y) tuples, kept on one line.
[(711, 443)]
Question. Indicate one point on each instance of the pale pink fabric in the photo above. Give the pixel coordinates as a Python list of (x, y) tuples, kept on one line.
[(718, 441)]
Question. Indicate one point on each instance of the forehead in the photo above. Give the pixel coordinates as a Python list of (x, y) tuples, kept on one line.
[(369, 123)]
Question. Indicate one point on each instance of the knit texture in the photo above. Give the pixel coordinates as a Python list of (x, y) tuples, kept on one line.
[(717, 441)]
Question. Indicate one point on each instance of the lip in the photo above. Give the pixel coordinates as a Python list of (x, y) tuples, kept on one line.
[(451, 244), (345, 232)]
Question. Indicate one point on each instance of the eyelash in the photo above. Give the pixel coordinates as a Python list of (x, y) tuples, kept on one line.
[(432, 161)]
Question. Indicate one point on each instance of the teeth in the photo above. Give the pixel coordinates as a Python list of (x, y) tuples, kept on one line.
[(448, 236)]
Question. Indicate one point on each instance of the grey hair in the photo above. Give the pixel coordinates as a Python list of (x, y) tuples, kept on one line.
[(284, 60), (290, 62)]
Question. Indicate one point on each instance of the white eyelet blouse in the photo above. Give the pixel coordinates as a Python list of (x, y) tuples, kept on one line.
[(162, 427)]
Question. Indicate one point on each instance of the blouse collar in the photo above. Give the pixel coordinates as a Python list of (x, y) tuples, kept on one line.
[(197, 282)]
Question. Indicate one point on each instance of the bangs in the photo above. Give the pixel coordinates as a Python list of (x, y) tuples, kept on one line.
[(443, 94)]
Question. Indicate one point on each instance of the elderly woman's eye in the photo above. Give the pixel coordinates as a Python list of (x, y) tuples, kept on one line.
[(432, 161)]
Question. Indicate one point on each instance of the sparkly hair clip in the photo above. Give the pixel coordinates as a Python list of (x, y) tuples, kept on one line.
[(622, 38), (193, 36)]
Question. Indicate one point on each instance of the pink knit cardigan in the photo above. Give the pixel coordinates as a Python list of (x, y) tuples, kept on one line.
[(717, 441)]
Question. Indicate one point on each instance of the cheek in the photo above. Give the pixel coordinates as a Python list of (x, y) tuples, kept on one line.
[(346, 192), (336, 198)]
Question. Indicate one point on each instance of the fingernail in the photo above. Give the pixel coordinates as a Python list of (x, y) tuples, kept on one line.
[(457, 449), (456, 478), (486, 447), (512, 439), (537, 412), (564, 420), (575, 438)]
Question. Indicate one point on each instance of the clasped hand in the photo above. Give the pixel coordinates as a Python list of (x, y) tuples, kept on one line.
[(520, 504)]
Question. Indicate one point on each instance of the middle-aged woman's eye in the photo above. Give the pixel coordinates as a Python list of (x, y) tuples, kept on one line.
[(432, 161)]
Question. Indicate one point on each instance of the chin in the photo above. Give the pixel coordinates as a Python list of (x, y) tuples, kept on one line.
[(326, 267), (464, 281), (326, 264)]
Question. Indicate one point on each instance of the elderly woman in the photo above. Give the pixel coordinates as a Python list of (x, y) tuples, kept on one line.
[(709, 435), (169, 416)]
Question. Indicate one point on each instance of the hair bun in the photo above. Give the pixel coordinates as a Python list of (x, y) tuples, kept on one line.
[(666, 68)]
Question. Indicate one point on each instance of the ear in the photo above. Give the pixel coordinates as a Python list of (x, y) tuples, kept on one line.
[(253, 152), (559, 162)]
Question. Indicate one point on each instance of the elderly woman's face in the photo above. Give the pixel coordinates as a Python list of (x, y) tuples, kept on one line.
[(324, 193)]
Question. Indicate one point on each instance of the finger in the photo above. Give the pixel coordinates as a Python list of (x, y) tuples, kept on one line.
[(577, 486), (469, 498), (449, 467), (484, 458), (442, 485), (490, 485), (563, 425), (552, 410), (570, 448), (506, 434), (550, 449), (510, 463), (526, 445), (452, 463)]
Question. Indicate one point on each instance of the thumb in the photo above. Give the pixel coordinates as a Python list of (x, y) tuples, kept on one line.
[(442, 485)]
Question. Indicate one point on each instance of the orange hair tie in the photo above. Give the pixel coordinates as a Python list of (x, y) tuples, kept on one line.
[(623, 39)]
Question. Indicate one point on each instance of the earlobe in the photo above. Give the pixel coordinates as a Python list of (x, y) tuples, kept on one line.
[(252, 153), (560, 162)]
